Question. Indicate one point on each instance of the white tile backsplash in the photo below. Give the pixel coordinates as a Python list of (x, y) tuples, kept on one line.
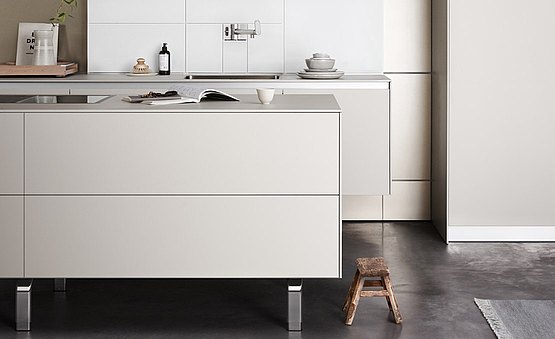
[(350, 30), (204, 48), (115, 48), (235, 11), (133, 12), (266, 50), (235, 57)]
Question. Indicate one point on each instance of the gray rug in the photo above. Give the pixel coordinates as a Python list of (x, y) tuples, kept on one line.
[(516, 319)]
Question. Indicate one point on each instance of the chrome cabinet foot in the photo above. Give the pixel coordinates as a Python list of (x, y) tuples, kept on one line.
[(294, 295), (59, 285), (23, 305)]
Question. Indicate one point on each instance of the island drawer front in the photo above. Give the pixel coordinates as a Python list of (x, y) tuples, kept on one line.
[(270, 237), (11, 236), (174, 153), (11, 153)]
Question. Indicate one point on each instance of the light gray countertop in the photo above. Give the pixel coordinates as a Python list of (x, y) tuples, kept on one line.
[(369, 81), (248, 104)]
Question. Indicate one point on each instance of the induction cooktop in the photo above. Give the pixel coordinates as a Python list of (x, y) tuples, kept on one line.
[(52, 99)]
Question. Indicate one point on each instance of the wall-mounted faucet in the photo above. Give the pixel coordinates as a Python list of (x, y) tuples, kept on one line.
[(238, 32)]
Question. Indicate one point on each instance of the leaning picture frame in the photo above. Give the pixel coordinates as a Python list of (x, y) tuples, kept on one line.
[(26, 41)]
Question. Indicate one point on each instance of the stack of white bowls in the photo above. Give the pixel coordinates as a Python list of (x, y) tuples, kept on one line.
[(320, 66)]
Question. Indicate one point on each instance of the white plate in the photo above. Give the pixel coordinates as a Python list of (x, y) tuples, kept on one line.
[(320, 70), (151, 74), (315, 75)]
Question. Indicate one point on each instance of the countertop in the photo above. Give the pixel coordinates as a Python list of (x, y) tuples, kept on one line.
[(369, 81), (248, 104)]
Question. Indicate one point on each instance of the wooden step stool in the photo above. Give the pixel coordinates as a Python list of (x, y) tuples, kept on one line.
[(370, 268)]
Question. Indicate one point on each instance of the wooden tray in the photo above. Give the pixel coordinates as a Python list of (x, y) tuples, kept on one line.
[(61, 70)]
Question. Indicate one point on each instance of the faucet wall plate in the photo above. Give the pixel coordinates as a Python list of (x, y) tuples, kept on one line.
[(230, 35), (240, 32)]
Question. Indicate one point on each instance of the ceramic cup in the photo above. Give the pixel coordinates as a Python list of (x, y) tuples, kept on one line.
[(265, 95)]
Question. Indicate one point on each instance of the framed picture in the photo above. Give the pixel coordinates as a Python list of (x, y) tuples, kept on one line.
[(26, 42)]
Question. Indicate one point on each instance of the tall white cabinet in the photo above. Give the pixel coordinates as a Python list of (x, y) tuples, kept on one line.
[(493, 118), (407, 46)]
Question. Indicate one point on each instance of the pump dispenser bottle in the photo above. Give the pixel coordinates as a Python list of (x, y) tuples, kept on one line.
[(164, 60)]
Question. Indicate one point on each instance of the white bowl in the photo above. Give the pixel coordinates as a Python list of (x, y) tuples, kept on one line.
[(320, 56), (320, 63), (265, 95)]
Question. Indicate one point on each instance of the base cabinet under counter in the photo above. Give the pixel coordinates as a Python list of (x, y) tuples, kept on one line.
[(366, 139)]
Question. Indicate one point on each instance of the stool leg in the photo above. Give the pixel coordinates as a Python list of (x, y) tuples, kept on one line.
[(394, 305), (349, 296), (388, 299), (354, 301)]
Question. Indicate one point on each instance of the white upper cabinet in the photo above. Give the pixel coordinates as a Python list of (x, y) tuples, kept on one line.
[(134, 12), (407, 45)]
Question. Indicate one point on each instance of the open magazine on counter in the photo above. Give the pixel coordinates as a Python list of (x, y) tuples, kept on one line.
[(183, 95)]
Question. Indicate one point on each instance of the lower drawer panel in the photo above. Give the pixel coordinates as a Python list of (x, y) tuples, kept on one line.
[(140, 236)]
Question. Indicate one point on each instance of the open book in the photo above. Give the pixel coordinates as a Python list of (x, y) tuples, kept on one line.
[(184, 95)]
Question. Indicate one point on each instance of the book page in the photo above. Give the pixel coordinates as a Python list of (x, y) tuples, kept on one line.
[(188, 92), (199, 93)]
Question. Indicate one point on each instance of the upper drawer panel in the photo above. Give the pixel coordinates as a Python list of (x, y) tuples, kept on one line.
[(131, 11), (182, 153), (240, 11), (11, 153)]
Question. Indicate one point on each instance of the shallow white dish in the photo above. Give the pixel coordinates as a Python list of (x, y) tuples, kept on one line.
[(150, 74), (320, 70), (320, 75)]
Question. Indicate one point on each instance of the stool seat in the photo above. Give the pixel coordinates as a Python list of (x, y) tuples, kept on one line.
[(372, 267), (377, 273)]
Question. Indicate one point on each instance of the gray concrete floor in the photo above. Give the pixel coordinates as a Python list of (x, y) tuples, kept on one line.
[(435, 285)]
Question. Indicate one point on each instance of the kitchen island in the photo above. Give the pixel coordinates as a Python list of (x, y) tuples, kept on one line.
[(366, 119), (210, 190)]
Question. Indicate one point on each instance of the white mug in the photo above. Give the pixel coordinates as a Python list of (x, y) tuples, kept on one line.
[(265, 95)]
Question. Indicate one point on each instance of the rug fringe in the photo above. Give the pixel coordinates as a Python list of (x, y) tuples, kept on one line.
[(493, 319)]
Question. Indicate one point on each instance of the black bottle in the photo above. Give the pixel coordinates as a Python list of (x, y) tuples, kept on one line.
[(164, 60)]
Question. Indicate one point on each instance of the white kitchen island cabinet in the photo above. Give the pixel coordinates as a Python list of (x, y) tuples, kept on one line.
[(195, 153), (210, 190)]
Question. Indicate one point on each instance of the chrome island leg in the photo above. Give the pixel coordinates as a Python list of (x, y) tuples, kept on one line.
[(23, 305), (59, 285), (295, 314)]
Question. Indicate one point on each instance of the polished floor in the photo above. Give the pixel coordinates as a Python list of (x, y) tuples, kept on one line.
[(435, 285)]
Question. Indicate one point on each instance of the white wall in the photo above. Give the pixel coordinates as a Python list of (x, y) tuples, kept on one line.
[(120, 32), (493, 118)]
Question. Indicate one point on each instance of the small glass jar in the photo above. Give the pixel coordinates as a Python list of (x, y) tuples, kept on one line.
[(44, 48)]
